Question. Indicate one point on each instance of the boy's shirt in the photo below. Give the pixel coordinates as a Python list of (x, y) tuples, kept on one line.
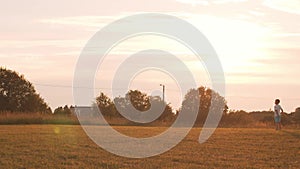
[(277, 109)]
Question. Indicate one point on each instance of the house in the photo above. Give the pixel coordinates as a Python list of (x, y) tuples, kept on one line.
[(83, 111)]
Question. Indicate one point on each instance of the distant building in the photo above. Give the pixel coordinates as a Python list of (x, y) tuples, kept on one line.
[(88, 115), (83, 111)]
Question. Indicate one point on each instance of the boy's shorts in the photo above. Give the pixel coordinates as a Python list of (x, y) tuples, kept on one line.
[(277, 119)]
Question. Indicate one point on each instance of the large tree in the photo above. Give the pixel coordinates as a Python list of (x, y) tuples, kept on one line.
[(144, 106), (204, 97), (133, 103), (18, 95), (106, 106)]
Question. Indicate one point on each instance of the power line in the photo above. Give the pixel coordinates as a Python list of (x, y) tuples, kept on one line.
[(85, 87)]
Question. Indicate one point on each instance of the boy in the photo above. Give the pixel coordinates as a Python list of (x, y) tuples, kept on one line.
[(277, 114)]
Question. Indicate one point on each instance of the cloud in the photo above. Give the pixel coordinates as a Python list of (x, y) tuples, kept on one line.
[(287, 35), (256, 13), (194, 2), (89, 21), (226, 1), (289, 6), (206, 2), (40, 43)]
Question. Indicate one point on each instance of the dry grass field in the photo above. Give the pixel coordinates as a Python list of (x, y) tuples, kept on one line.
[(67, 146)]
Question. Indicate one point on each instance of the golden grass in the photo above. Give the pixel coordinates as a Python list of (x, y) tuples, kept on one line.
[(67, 146)]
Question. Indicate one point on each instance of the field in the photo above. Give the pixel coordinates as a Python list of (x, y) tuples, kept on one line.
[(67, 146)]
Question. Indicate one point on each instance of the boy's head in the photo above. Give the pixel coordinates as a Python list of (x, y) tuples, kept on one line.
[(277, 101)]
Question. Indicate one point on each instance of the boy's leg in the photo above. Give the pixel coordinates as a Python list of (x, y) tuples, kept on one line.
[(279, 126), (276, 123), (279, 123)]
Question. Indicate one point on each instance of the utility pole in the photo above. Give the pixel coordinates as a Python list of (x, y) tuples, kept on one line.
[(163, 92)]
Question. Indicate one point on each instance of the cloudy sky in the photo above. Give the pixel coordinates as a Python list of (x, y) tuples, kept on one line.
[(257, 42)]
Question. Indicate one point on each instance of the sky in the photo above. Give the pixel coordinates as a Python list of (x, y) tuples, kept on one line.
[(257, 42)]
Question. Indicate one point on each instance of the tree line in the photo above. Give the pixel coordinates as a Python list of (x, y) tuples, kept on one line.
[(18, 95)]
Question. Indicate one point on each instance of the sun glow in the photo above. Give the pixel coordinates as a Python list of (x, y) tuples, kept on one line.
[(238, 43)]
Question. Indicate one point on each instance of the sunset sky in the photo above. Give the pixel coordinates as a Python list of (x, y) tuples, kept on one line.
[(257, 41)]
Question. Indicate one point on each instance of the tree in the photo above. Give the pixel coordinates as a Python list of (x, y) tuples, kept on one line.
[(106, 106), (167, 115), (132, 104), (139, 100), (204, 97), (297, 114), (58, 111), (18, 95), (138, 105), (62, 110)]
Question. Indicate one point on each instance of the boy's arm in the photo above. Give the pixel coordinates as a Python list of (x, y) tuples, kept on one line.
[(281, 109)]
